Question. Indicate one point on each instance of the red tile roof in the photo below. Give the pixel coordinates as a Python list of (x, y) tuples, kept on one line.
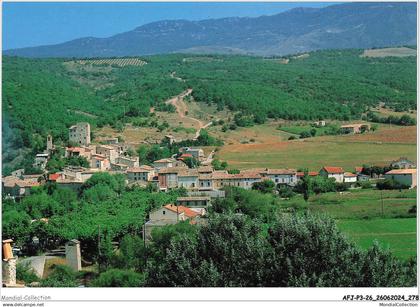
[(347, 174), (301, 174), (53, 177), (402, 171), (358, 169), (187, 211), (333, 169)]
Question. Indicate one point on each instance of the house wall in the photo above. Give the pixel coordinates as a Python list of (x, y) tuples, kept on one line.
[(205, 183), (350, 179), (339, 177), (159, 165), (111, 154), (290, 179), (407, 179), (188, 182), (139, 176), (80, 134), (130, 162), (164, 214), (168, 180)]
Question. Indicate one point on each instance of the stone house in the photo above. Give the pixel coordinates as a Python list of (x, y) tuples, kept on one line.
[(332, 172), (143, 174), (100, 162), (403, 163), (85, 152), (196, 153), (403, 176), (129, 161), (188, 178), (300, 175), (354, 128), (280, 176), (163, 163), (107, 151), (194, 201), (168, 215), (80, 134), (15, 187)]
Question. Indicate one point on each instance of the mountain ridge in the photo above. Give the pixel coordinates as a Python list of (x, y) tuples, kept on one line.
[(349, 25)]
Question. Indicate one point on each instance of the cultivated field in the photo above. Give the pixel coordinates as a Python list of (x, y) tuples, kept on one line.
[(359, 214), (119, 62), (399, 235), (385, 52), (379, 147)]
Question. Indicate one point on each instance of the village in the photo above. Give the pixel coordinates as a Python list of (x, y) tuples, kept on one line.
[(202, 183)]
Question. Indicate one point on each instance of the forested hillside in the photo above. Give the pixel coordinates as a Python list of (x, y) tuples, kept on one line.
[(42, 96)]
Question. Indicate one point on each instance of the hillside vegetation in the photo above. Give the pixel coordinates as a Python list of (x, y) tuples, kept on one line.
[(42, 96)]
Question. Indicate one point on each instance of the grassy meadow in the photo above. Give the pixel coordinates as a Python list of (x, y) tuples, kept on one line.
[(359, 215), (399, 235)]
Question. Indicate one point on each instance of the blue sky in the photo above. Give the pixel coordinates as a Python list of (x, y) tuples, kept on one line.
[(33, 24)]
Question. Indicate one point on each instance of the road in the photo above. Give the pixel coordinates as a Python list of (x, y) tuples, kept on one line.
[(182, 109)]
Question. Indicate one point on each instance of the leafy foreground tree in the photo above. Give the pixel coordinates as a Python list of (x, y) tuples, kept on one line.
[(296, 251)]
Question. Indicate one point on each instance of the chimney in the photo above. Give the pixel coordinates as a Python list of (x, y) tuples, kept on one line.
[(73, 256), (8, 265)]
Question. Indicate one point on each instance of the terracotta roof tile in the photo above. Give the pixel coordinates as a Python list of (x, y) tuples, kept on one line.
[(402, 171), (182, 209)]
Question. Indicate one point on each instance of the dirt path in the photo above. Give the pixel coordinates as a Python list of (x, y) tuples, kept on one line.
[(182, 109), (82, 113)]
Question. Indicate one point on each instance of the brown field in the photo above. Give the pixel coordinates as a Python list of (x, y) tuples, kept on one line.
[(259, 134), (380, 148), (385, 112), (384, 52)]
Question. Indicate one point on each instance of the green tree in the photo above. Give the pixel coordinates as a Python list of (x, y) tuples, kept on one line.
[(265, 186), (119, 278), (61, 277)]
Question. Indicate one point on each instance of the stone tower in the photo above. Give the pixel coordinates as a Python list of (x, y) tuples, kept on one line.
[(73, 256), (49, 143)]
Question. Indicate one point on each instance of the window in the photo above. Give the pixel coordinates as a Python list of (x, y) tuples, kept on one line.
[(277, 180), (163, 212)]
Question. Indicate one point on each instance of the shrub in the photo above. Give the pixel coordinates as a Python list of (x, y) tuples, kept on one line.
[(25, 273), (390, 184), (285, 191), (266, 186), (62, 276), (119, 278)]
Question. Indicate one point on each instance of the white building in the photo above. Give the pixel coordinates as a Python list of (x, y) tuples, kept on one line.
[(350, 177), (332, 172), (281, 176)]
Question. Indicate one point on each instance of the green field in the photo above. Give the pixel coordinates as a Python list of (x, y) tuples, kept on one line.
[(359, 214), (297, 129), (397, 234)]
